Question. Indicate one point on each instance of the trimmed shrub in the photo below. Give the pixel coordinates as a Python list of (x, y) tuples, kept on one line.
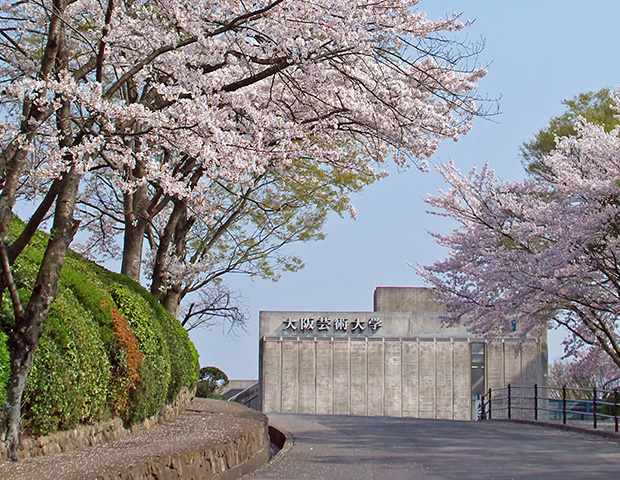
[(85, 281), (184, 364), (151, 391), (5, 366), (108, 347), (69, 380)]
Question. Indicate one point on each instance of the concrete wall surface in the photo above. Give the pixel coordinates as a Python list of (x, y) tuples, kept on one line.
[(399, 360), (405, 299), (417, 377)]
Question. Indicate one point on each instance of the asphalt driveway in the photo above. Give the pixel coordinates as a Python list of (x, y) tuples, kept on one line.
[(379, 448)]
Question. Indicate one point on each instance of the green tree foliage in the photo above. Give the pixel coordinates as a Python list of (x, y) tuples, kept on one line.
[(108, 348), (595, 107), (211, 381)]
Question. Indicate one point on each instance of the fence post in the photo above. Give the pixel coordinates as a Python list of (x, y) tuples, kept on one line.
[(536, 402), (564, 404), (616, 408), (594, 406), (490, 410), (509, 404)]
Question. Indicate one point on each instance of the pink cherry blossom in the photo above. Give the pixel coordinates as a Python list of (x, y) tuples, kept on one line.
[(543, 252)]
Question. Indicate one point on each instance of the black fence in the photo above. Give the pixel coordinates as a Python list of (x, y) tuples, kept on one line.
[(542, 403)]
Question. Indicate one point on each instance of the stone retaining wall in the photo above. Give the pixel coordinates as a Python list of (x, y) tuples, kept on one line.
[(228, 461), (86, 436), (211, 440)]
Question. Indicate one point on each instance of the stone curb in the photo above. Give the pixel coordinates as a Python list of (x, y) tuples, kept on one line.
[(285, 443), (284, 440), (228, 461)]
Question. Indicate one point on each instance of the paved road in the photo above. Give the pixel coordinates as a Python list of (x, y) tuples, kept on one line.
[(375, 448)]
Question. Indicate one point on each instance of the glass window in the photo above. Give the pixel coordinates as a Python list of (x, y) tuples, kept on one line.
[(477, 368)]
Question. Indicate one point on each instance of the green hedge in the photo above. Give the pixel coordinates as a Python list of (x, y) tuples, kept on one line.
[(69, 380), (150, 392), (180, 347), (5, 366), (108, 348)]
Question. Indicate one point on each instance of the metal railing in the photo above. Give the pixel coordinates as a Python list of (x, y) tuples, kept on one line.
[(542, 403)]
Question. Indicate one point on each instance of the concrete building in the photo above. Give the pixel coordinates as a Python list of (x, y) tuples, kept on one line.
[(397, 360)]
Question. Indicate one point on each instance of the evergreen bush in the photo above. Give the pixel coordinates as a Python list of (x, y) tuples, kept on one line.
[(69, 380), (108, 347), (151, 390), (5, 366)]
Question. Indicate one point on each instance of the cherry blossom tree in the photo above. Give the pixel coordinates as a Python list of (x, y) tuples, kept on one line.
[(145, 207), (595, 372), (176, 102), (245, 236), (595, 107), (539, 252)]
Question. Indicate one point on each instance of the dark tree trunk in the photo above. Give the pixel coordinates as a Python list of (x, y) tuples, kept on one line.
[(173, 241), (136, 221), (29, 325), (172, 301), (133, 243), (160, 270), (35, 221), (25, 336)]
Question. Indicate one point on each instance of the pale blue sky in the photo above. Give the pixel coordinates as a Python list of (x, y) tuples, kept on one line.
[(540, 52)]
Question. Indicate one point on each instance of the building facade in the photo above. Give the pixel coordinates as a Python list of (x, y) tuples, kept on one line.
[(398, 360)]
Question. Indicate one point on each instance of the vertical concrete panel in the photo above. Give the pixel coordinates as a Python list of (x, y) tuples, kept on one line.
[(512, 364), (462, 381), (393, 380), (290, 372), (359, 378), (427, 380), (495, 365), (324, 370), (410, 371), (376, 366), (530, 364), (342, 391), (307, 377), (272, 376), (512, 375), (444, 380), (530, 368)]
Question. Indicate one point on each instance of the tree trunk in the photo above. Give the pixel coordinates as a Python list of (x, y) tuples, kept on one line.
[(160, 269), (29, 326), (136, 220), (170, 291), (22, 346), (133, 243), (172, 301), (35, 221), (29, 322)]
